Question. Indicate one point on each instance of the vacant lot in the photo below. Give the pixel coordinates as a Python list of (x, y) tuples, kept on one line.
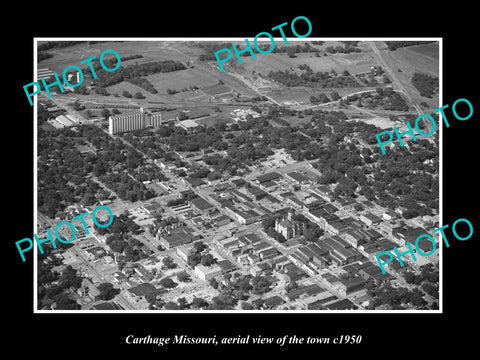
[(178, 80), (264, 63), (407, 58), (132, 89), (382, 123), (215, 119), (431, 50), (217, 89), (151, 51)]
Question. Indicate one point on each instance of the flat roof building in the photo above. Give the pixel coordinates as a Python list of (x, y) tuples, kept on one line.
[(133, 121), (206, 273)]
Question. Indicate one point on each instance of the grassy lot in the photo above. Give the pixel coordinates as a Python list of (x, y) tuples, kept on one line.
[(431, 50), (264, 63), (215, 119), (132, 89), (217, 89), (411, 59), (181, 79), (151, 50)]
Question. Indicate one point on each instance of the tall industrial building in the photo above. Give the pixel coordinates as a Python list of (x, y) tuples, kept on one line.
[(154, 120), (133, 121)]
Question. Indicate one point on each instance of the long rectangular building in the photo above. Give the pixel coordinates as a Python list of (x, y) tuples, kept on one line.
[(133, 121), (126, 122)]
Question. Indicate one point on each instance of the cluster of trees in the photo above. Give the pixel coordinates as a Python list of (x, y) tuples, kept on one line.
[(43, 55), (148, 172), (425, 84), (394, 45), (385, 98), (126, 188), (223, 164), (168, 283), (401, 180), (309, 78), (60, 165), (346, 49), (428, 278), (320, 99), (144, 84), (180, 140), (430, 289), (398, 298), (131, 57), (210, 48), (428, 273), (198, 258), (239, 288), (57, 44), (107, 291), (291, 50), (184, 277), (43, 115), (180, 304), (120, 237), (145, 141), (134, 73), (169, 263), (125, 244), (174, 91), (58, 293)]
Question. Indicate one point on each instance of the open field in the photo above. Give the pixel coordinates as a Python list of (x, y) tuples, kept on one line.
[(431, 50), (413, 59), (132, 89), (303, 93), (215, 119), (422, 58), (382, 123), (217, 89), (178, 80), (151, 50), (264, 63)]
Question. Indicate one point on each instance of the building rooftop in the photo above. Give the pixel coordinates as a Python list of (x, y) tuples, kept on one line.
[(201, 204), (344, 304), (268, 176), (297, 177), (143, 289), (226, 265), (104, 306)]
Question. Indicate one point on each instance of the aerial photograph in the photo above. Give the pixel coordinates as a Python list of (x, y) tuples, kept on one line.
[(260, 188)]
